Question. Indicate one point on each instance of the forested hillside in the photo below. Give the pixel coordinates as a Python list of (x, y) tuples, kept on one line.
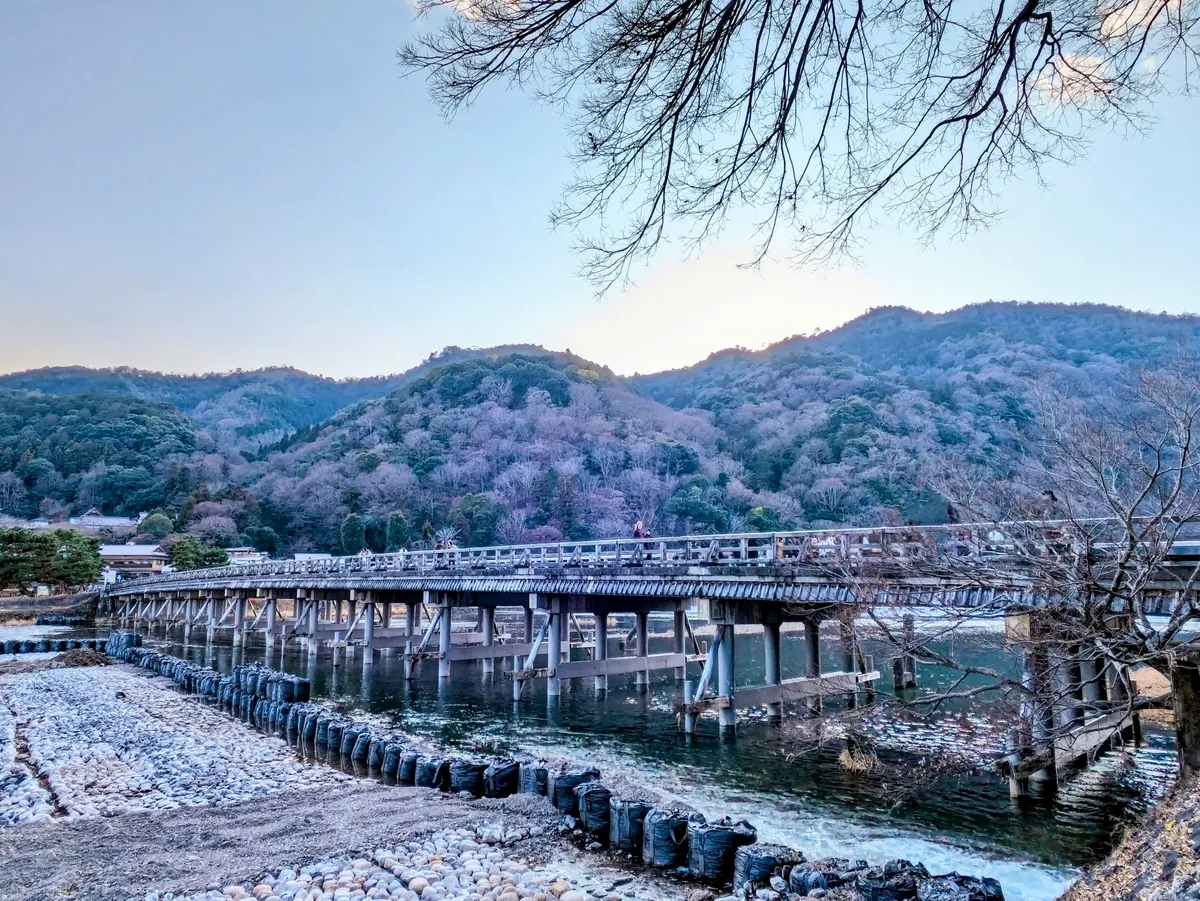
[(521, 444)]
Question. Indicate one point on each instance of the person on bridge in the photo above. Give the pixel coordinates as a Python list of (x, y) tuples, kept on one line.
[(640, 530)]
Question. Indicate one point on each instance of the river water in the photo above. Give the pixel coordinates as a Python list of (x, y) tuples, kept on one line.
[(961, 822)]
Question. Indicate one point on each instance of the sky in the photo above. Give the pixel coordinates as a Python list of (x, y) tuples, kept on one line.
[(202, 186)]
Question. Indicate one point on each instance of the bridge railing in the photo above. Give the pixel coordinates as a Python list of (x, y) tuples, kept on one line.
[(814, 546)]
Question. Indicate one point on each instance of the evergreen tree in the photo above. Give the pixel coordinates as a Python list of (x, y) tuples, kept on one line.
[(397, 531), (353, 534)]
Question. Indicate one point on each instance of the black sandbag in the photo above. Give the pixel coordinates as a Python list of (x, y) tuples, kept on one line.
[(560, 788), (392, 755), (283, 712), (302, 689), (956, 887), (664, 837), (625, 816), (466, 775), (824, 873), (350, 739), (407, 774), (362, 747), (337, 732), (502, 778), (295, 718), (754, 864), (433, 772), (535, 777), (592, 801), (323, 722), (896, 880), (712, 846), (310, 726), (375, 752)]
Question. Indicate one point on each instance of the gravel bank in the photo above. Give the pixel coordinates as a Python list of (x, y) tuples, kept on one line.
[(107, 741), (186, 850)]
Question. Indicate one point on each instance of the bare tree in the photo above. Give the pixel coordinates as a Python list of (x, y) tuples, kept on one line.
[(816, 113)]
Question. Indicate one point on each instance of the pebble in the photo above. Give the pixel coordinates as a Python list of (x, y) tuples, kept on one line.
[(107, 741), (452, 865)]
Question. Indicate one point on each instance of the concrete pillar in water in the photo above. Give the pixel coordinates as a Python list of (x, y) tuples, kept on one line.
[(489, 629), (369, 630), (239, 619), (771, 649), (689, 718), (410, 642), (812, 655), (601, 650), (337, 612), (1185, 678), (444, 637), (849, 655), (727, 716), (529, 618), (643, 675), (1091, 678), (904, 668), (554, 656), (312, 627), (678, 639), (269, 615), (564, 630)]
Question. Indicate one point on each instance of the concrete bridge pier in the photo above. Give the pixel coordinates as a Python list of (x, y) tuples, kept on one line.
[(771, 655), (270, 611), (642, 679), (554, 654), (601, 647), (677, 638), (488, 621), (239, 619), (727, 714), (812, 654), (369, 629), (445, 637), (313, 624), (904, 667)]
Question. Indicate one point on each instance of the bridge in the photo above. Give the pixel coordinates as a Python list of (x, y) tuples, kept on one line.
[(561, 596)]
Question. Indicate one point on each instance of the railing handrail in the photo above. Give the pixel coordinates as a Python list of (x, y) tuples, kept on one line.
[(979, 538)]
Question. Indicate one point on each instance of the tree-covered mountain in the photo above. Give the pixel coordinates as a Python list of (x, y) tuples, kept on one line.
[(522, 444)]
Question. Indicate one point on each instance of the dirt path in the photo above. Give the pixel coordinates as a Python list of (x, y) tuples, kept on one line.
[(193, 848)]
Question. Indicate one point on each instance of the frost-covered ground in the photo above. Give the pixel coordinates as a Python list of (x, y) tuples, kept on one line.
[(107, 741)]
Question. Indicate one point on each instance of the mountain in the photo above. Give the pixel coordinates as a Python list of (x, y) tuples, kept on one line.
[(518, 443)]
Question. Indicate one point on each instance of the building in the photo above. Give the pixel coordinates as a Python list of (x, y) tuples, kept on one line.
[(129, 561), (239, 556), (95, 521)]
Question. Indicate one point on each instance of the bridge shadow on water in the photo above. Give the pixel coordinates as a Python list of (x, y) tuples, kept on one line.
[(962, 821)]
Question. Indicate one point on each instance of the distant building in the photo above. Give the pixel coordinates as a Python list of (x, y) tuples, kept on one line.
[(239, 556), (130, 561), (95, 521)]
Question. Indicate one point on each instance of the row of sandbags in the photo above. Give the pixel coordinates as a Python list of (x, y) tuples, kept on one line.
[(718, 852), (49, 645), (59, 619), (120, 641)]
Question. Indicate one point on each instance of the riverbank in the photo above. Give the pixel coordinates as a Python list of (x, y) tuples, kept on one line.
[(1160, 861), (116, 786)]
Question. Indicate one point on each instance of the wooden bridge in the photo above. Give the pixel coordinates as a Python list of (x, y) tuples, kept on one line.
[(349, 604)]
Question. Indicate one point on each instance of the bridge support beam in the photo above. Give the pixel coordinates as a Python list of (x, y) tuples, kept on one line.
[(445, 637), (554, 653), (270, 613), (904, 667), (849, 654), (643, 639), (600, 651), (313, 622), (727, 715), (771, 655), (812, 653), (369, 629), (677, 639), (239, 619), (489, 634)]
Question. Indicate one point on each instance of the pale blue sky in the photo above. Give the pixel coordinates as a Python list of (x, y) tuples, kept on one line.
[(197, 186)]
